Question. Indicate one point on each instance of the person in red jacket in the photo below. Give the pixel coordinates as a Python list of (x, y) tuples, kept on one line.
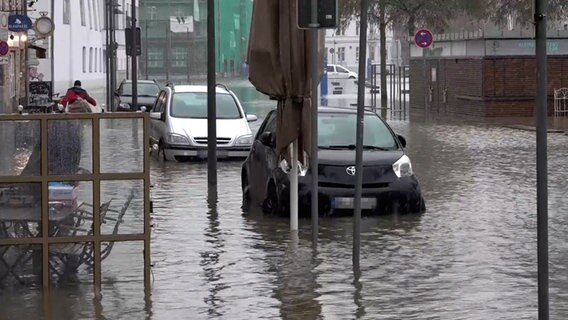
[(75, 93)]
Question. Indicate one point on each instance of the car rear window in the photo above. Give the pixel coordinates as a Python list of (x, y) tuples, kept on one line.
[(194, 105), (144, 89)]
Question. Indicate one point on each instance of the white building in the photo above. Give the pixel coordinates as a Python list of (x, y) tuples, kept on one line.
[(342, 46), (79, 40)]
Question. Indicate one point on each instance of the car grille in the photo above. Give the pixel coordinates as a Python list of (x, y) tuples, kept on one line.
[(344, 185), (336, 177), (204, 140)]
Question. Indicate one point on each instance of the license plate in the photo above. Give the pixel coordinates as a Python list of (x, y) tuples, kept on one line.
[(349, 203)]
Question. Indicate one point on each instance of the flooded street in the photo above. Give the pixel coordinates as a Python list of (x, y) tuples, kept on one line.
[(472, 255)]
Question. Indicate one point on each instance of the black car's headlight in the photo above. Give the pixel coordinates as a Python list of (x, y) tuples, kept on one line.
[(403, 167)]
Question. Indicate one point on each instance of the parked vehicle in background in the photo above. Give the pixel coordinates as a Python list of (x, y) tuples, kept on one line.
[(147, 93), (178, 124), (335, 71)]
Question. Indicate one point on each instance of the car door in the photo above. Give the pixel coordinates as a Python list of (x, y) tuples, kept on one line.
[(157, 125), (331, 73), (261, 158)]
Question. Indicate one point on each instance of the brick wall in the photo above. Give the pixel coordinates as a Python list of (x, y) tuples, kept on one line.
[(491, 86), (458, 77)]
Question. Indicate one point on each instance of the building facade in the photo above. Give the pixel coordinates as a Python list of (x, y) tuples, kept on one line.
[(174, 38), (487, 72), (342, 46)]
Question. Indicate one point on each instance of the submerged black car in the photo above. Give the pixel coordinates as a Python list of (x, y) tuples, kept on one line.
[(389, 184)]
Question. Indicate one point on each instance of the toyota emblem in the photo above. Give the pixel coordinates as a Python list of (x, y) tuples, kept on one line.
[(350, 170)]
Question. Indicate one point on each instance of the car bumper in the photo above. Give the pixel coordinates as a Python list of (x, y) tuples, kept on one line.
[(402, 195), (175, 152)]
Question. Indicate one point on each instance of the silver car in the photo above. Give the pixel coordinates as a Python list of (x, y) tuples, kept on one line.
[(179, 124)]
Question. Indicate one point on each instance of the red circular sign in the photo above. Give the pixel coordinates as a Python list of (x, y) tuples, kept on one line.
[(4, 48), (423, 38)]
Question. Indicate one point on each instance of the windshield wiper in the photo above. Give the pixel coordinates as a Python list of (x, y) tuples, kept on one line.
[(353, 147)]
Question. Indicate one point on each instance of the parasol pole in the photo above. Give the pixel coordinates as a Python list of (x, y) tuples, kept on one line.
[(294, 186)]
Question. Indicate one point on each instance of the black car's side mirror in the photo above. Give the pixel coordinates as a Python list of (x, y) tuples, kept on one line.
[(116, 93), (267, 139), (402, 140)]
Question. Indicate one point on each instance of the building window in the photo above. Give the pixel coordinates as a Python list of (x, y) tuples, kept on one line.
[(155, 57), (357, 27), (340, 31), (66, 12), (91, 60), (84, 60), (341, 54), (179, 55), (96, 59), (90, 16), (152, 13), (103, 63), (83, 20), (95, 15), (357, 53), (372, 53)]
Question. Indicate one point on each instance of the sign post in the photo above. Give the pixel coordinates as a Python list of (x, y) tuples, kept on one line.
[(312, 15), (423, 39)]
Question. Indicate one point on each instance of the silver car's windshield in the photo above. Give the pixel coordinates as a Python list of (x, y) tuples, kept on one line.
[(194, 105), (337, 130)]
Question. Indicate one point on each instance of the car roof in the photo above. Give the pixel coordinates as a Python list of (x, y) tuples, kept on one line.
[(141, 81), (351, 110), (196, 89)]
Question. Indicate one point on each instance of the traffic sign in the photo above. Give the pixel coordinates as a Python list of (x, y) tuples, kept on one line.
[(19, 22), (4, 48), (423, 38), (331, 50)]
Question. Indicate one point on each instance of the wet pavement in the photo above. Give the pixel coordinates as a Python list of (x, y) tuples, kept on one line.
[(472, 255)]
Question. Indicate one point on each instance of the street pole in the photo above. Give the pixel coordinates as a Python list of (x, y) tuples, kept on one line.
[(188, 56), (146, 47), (112, 69), (134, 57), (211, 101), (107, 56), (314, 25), (360, 131), (541, 159)]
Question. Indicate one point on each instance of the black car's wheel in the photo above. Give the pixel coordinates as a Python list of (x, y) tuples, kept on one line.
[(272, 202), (246, 192), (162, 152)]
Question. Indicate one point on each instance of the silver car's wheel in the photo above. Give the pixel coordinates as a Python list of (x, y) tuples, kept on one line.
[(162, 153)]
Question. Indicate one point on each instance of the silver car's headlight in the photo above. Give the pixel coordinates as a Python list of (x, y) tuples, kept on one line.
[(177, 139), (245, 140), (402, 167), (125, 105)]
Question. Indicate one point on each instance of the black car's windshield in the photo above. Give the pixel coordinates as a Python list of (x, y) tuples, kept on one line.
[(194, 105), (338, 131), (144, 89)]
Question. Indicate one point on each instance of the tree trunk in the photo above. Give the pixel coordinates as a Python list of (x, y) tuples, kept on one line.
[(407, 43), (383, 53)]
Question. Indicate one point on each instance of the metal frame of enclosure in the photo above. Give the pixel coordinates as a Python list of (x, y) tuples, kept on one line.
[(96, 238)]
